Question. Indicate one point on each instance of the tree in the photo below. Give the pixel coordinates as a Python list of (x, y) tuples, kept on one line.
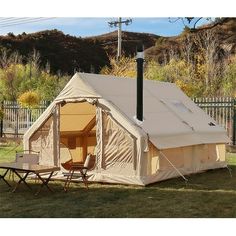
[(6, 58), (188, 48), (229, 84), (17, 78), (209, 59), (10, 80), (1, 113), (191, 23)]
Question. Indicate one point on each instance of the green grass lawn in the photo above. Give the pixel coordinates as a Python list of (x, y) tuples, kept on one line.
[(209, 194)]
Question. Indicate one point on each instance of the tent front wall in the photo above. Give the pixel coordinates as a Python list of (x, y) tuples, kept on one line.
[(116, 148)]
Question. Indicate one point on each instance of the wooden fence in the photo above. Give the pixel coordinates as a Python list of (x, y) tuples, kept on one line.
[(17, 120)]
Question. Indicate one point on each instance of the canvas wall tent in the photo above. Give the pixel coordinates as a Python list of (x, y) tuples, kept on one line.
[(96, 114)]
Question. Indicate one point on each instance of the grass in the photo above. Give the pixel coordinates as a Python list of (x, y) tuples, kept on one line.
[(209, 194)]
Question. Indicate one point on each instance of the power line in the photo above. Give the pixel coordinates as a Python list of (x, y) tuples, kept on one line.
[(19, 20), (25, 22), (10, 19), (33, 20)]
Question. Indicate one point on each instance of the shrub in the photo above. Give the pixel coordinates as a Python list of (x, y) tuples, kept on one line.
[(229, 84), (125, 67), (29, 99)]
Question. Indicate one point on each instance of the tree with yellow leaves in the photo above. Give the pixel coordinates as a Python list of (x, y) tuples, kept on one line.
[(29, 99)]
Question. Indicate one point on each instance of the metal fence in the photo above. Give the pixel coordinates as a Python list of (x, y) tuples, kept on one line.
[(17, 120), (223, 111)]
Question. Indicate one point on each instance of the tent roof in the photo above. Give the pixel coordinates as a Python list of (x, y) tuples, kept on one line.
[(171, 119)]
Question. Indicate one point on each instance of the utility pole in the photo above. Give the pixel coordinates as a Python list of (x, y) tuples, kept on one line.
[(119, 39), (118, 24)]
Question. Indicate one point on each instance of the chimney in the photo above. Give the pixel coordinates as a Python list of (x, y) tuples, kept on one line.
[(139, 60)]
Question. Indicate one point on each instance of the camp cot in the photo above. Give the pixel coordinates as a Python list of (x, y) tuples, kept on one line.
[(96, 114)]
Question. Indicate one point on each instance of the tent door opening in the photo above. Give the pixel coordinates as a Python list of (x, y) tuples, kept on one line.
[(77, 132)]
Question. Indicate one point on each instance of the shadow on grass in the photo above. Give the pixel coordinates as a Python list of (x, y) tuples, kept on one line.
[(209, 194), (219, 179)]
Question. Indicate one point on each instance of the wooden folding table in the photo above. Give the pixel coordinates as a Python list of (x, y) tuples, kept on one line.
[(26, 169)]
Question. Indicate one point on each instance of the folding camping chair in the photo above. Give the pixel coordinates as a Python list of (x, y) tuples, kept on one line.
[(78, 170)]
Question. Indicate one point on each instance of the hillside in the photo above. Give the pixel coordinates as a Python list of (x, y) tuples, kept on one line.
[(66, 53), (221, 36), (129, 42)]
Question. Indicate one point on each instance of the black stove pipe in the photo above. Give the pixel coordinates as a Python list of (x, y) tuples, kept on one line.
[(139, 60)]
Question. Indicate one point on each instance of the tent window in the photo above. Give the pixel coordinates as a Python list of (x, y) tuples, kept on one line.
[(180, 106)]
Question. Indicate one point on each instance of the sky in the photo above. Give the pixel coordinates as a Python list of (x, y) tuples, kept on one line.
[(91, 26), (90, 17)]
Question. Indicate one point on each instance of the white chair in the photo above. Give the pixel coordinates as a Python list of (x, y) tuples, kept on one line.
[(30, 158)]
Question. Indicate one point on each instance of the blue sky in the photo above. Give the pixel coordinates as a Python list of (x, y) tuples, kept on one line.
[(89, 26)]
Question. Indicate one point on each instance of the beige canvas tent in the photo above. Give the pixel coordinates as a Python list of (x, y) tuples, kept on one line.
[(96, 114)]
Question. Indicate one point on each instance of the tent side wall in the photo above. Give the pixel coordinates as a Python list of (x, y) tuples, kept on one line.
[(45, 140), (188, 160)]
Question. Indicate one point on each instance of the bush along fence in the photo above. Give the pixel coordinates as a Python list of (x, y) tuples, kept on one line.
[(15, 120)]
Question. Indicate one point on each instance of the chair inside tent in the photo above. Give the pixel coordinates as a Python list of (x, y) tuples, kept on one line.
[(77, 132)]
